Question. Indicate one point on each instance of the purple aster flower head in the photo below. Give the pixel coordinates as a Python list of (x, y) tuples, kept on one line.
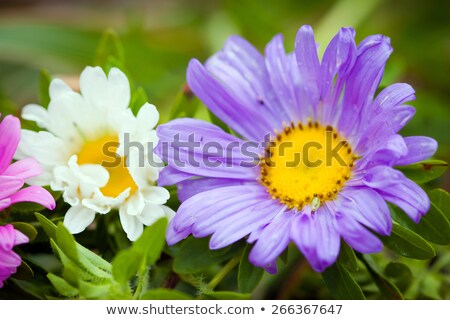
[(13, 176), (325, 169), (9, 260)]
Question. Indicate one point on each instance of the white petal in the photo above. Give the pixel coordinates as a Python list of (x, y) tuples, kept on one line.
[(58, 88), (135, 204), (148, 116), (102, 92), (96, 205), (168, 212), (151, 214), (36, 113), (96, 172), (78, 218), (131, 225), (156, 195)]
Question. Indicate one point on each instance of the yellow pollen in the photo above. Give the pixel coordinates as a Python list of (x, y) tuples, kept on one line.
[(102, 152), (306, 164)]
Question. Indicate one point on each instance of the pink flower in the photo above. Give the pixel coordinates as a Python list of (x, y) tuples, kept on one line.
[(13, 176), (9, 260)]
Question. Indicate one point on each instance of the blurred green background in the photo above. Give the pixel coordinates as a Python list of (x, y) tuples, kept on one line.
[(160, 37)]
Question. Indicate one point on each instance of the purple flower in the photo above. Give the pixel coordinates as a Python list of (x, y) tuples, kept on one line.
[(13, 176), (9, 260), (328, 169)]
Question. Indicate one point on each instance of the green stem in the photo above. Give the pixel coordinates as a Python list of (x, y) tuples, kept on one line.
[(224, 271), (142, 281)]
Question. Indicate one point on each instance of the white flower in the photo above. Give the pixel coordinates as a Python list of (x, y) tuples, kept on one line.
[(83, 153)]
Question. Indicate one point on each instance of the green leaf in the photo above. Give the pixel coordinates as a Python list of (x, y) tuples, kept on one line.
[(66, 242), (91, 291), (408, 244), (424, 171), (214, 119), (341, 283), (152, 241), (94, 259), (441, 199), (227, 295), (44, 87), (400, 273), (194, 256), (431, 286), (138, 99), (433, 227), (165, 294), (24, 272), (26, 228), (49, 227), (110, 46), (249, 276), (387, 288), (185, 104), (126, 264), (62, 286), (347, 257)]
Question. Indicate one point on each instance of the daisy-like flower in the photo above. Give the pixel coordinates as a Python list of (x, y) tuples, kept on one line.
[(327, 170), (9, 260), (97, 152), (13, 176)]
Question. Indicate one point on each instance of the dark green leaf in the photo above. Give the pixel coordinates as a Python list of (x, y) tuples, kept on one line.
[(424, 171), (387, 288), (62, 286), (400, 273), (126, 264), (441, 199), (194, 256), (24, 272), (408, 244), (227, 295), (218, 122), (44, 85), (165, 294), (347, 257), (249, 276), (341, 283), (26, 228), (433, 227), (152, 241)]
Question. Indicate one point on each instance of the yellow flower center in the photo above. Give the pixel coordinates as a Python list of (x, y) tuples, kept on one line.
[(102, 152), (306, 164)]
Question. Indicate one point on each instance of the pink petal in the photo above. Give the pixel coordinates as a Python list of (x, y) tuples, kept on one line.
[(9, 185), (24, 169), (9, 140), (20, 238), (7, 237), (34, 194)]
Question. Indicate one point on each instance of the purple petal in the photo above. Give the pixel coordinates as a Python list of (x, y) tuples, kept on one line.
[(394, 187), (9, 185), (173, 236), (382, 127), (170, 176), (272, 241), (419, 148), (34, 194), (241, 68), (393, 149), (308, 63), (24, 169), (278, 67), (189, 188), (220, 100), (358, 237), (363, 81), (338, 60), (367, 207), (237, 226), (9, 140), (196, 147), (392, 96), (317, 237), (209, 203)]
